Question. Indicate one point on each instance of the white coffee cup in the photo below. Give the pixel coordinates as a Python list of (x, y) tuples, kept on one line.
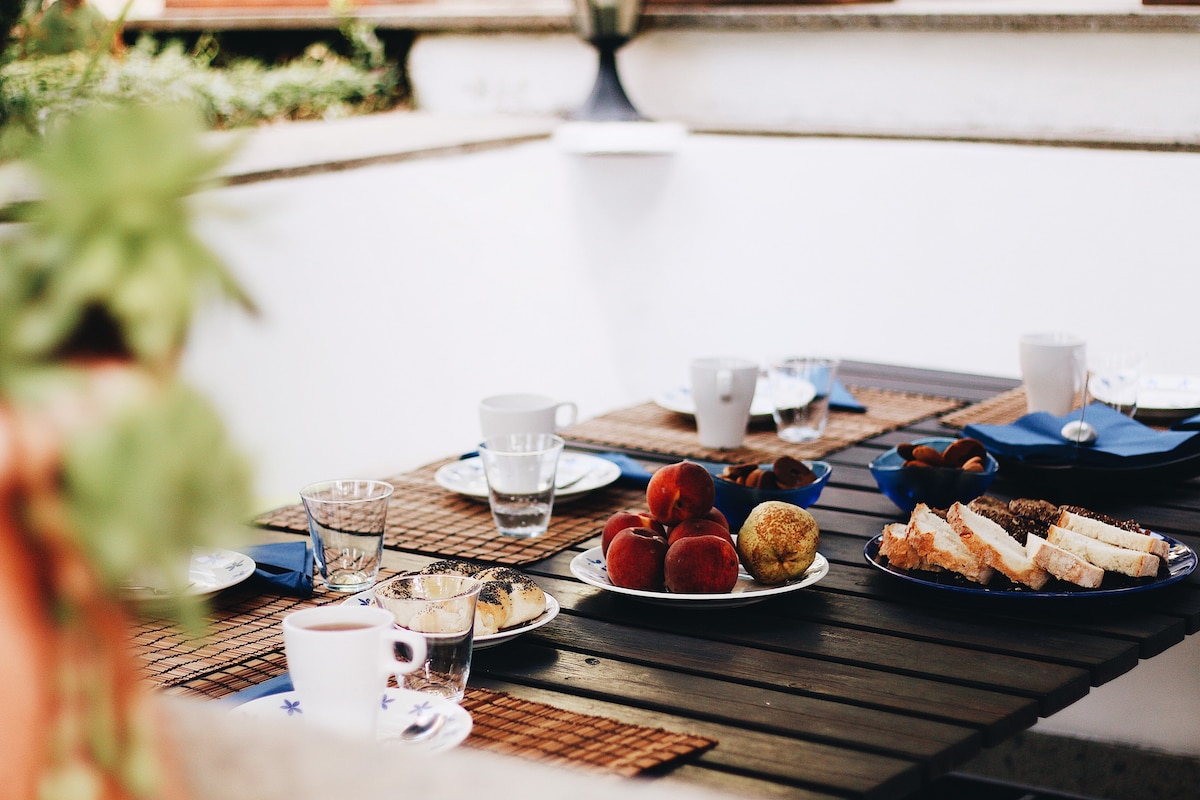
[(504, 414), (722, 390), (1053, 369), (340, 657)]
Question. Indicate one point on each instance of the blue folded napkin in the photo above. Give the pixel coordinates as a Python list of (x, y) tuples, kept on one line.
[(277, 685), (840, 399), (632, 472), (1189, 424), (285, 567), (1120, 441)]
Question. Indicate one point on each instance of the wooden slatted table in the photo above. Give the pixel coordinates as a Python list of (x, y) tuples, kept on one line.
[(860, 686)]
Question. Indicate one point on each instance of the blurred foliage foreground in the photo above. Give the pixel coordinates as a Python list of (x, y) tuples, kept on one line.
[(111, 468), (67, 56)]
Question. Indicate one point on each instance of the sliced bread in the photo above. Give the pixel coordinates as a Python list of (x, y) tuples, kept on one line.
[(1111, 534), (1063, 564), (1104, 555), (994, 547), (938, 543), (900, 550)]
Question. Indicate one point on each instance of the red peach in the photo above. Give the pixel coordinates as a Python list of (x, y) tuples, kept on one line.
[(635, 559), (680, 491), (701, 565), (627, 519), (716, 516), (698, 527)]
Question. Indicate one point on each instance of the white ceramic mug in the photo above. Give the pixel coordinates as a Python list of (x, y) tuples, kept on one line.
[(1053, 369), (504, 414), (723, 389), (340, 657)]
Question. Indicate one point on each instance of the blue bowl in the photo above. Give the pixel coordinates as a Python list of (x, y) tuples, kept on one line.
[(937, 487), (736, 501)]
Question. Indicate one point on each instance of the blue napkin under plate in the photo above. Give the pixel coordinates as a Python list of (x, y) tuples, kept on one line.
[(1189, 424), (284, 567), (277, 685), (1120, 441), (840, 399)]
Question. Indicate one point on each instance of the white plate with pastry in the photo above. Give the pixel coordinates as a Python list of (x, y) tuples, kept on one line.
[(509, 605), (400, 709), (578, 474), (589, 567)]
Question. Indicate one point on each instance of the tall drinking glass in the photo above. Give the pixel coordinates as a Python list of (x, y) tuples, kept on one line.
[(520, 469), (346, 520)]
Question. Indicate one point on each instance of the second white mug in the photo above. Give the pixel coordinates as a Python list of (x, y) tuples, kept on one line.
[(723, 390), (504, 414), (1053, 369)]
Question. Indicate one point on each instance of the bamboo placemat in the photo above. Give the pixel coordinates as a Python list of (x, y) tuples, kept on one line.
[(514, 726), (651, 428), (1001, 409), (243, 647), (427, 519)]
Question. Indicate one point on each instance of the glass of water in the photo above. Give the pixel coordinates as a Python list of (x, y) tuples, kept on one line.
[(442, 609), (520, 470), (346, 520), (800, 390)]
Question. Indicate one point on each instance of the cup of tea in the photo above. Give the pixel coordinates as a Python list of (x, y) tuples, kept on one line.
[(340, 658)]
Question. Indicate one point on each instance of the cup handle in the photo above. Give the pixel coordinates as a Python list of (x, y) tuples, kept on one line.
[(571, 417), (416, 649), (725, 385)]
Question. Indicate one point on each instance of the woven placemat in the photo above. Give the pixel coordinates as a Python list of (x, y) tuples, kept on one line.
[(243, 647), (427, 519), (651, 428), (540, 732), (1001, 409)]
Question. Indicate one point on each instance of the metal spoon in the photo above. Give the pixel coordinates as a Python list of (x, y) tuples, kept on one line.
[(1079, 432), (422, 728)]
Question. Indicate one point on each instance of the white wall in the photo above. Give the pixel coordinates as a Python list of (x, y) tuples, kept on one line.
[(1107, 85)]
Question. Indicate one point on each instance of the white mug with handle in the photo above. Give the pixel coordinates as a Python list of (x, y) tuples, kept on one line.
[(505, 414), (723, 390)]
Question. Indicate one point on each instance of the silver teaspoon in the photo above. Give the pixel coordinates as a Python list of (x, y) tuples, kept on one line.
[(1079, 432), (422, 728)]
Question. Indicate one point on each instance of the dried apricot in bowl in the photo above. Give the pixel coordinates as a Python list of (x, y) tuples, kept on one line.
[(907, 480)]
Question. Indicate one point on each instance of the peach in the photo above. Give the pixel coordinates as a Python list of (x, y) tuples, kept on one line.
[(698, 527), (627, 519), (701, 565), (680, 491), (716, 516), (635, 559)]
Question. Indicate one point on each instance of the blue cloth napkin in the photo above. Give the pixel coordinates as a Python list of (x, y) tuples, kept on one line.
[(1189, 424), (284, 567), (840, 399), (1121, 441), (277, 685), (632, 473)]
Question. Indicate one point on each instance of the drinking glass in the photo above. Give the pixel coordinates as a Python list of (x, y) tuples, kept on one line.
[(346, 520), (1114, 378), (520, 470), (441, 608), (800, 390)]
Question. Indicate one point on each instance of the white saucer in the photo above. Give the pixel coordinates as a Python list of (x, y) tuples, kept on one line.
[(487, 640), (578, 473), (680, 400), (209, 572), (401, 708)]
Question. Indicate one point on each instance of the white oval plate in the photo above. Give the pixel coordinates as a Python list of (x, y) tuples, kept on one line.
[(589, 567), (209, 572), (680, 400), (400, 708), (1168, 397), (487, 640), (585, 473)]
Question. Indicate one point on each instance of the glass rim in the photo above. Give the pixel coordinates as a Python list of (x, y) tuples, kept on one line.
[(380, 490), (472, 586), (554, 442)]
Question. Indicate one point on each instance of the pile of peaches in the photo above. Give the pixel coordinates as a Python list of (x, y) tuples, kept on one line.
[(684, 545)]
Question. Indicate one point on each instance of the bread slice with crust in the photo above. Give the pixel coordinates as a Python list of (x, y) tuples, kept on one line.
[(1063, 564), (994, 547), (1111, 534), (1106, 556), (939, 544), (900, 550)]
